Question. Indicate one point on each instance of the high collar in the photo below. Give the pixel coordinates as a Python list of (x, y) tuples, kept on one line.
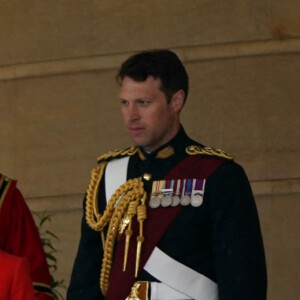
[(177, 144)]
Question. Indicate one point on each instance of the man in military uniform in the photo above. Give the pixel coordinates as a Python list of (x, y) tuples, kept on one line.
[(168, 218)]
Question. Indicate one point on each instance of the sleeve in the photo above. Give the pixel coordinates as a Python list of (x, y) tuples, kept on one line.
[(21, 286), (85, 278), (236, 236), (24, 241)]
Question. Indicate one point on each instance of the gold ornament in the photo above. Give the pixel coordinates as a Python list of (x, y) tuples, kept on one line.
[(200, 150), (131, 191), (165, 152), (117, 154)]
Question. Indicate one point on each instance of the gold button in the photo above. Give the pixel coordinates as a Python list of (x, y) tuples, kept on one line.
[(147, 176)]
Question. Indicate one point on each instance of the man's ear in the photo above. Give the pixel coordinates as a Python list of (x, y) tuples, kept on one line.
[(177, 100)]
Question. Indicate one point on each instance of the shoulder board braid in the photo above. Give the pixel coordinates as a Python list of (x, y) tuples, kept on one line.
[(200, 150), (117, 154)]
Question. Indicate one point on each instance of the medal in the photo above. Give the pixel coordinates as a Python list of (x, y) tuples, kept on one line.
[(175, 198), (167, 192), (155, 200), (196, 200), (186, 199), (197, 193), (177, 191), (166, 200)]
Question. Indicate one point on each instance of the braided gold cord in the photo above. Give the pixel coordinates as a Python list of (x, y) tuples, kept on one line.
[(113, 154), (199, 150), (131, 212), (131, 191), (142, 215), (92, 215), (132, 208), (142, 212), (129, 195)]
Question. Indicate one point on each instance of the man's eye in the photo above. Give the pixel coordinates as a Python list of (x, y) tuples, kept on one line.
[(124, 102), (144, 102)]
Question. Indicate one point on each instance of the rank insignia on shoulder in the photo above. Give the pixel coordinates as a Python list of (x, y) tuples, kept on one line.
[(208, 151), (117, 154), (176, 192)]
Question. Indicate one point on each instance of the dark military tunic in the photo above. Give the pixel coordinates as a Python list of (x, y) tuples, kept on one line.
[(220, 239)]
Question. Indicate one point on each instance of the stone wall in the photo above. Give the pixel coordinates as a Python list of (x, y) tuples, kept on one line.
[(60, 110)]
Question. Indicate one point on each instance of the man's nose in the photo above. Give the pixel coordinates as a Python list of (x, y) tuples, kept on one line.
[(133, 113)]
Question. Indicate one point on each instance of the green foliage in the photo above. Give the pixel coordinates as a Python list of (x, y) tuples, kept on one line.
[(47, 238)]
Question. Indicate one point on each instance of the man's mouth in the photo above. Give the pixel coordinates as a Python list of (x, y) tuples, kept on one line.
[(135, 130)]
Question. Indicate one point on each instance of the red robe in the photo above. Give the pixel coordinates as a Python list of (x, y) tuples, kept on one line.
[(19, 236), (15, 281)]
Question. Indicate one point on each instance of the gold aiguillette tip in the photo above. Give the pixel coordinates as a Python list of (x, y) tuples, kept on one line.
[(128, 233), (140, 240)]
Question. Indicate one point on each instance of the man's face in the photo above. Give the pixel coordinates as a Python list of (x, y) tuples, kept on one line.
[(149, 119)]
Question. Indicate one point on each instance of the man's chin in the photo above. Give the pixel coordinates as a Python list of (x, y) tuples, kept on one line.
[(139, 142)]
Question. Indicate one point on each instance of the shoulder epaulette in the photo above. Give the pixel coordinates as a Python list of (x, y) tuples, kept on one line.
[(207, 151), (117, 154)]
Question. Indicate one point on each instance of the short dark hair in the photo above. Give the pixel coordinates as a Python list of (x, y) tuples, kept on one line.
[(162, 64)]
